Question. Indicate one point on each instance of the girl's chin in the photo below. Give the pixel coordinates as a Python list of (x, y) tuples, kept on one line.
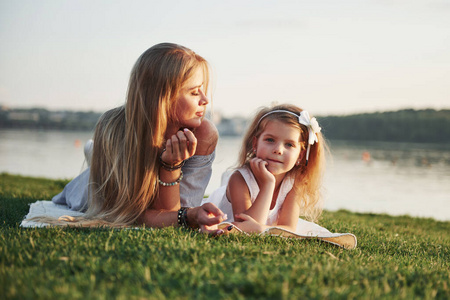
[(272, 171)]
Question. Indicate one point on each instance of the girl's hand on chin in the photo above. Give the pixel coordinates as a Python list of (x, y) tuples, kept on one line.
[(259, 169), (179, 147)]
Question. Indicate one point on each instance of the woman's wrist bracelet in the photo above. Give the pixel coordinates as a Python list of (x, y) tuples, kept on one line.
[(182, 217), (171, 183), (168, 167)]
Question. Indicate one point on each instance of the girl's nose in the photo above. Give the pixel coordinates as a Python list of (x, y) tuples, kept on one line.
[(277, 149)]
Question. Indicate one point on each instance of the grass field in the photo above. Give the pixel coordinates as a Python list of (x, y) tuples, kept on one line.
[(396, 258)]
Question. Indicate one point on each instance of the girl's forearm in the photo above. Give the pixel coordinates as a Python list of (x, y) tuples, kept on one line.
[(287, 227), (261, 206)]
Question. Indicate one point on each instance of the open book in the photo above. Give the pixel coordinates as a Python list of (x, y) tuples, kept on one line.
[(343, 240)]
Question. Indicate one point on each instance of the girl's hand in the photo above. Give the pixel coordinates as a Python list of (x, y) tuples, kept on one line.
[(179, 147), (248, 224), (206, 217), (259, 169)]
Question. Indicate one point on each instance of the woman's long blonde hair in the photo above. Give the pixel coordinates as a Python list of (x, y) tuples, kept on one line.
[(308, 179), (128, 139)]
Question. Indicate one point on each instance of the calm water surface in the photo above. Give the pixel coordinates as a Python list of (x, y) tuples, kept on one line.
[(392, 178)]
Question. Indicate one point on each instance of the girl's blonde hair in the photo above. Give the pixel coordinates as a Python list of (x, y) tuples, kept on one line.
[(308, 179)]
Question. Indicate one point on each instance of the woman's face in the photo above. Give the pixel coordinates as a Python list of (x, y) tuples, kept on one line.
[(191, 101)]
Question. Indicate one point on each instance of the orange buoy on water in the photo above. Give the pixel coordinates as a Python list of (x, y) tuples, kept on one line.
[(366, 156)]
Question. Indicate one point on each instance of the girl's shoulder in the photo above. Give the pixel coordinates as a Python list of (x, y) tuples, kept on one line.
[(238, 177), (243, 176), (236, 184), (207, 137)]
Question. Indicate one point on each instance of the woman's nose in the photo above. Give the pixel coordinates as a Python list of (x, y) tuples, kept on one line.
[(203, 99)]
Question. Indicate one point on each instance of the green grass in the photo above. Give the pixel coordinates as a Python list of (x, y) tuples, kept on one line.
[(396, 257)]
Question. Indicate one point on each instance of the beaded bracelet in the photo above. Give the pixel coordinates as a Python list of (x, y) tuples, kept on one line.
[(182, 217), (171, 183), (168, 167)]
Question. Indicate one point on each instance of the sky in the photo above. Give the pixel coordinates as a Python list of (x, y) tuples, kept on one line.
[(329, 57)]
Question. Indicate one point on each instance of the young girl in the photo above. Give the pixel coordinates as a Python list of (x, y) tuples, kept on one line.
[(279, 174)]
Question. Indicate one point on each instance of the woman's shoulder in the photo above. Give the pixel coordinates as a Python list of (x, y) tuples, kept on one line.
[(207, 137)]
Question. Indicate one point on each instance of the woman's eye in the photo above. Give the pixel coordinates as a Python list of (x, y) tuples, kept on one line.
[(195, 93)]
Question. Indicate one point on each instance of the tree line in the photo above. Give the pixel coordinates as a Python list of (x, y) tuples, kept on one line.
[(43, 119), (408, 125)]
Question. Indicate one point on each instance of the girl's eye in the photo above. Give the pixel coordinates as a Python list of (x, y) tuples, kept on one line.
[(270, 140), (289, 145)]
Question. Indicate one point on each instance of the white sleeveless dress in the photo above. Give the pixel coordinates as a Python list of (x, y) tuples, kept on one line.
[(219, 198)]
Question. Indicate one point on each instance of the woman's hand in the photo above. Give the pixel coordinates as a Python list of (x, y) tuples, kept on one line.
[(179, 147), (259, 170), (206, 217), (248, 224)]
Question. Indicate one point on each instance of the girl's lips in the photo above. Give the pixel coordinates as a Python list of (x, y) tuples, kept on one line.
[(275, 161)]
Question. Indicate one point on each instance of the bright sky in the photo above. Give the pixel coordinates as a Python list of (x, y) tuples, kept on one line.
[(329, 57)]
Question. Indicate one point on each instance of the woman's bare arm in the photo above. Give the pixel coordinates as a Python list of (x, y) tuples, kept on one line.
[(207, 137), (204, 217)]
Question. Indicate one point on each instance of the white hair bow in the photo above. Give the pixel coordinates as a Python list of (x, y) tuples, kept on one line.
[(313, 126), (313, 129)]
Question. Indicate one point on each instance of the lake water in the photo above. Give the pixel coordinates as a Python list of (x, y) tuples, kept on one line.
[(376, 177)]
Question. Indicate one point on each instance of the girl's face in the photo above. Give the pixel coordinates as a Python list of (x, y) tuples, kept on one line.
[(279, 145), (191, 101)]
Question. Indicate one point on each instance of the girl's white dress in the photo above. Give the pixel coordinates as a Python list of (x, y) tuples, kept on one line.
[(219, 198)]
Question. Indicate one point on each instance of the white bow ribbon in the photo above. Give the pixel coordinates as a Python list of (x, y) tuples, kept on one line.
[(313, 129), (313, 126)]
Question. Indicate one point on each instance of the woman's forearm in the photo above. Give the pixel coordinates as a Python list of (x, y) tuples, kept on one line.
[(159, 218), (169, 190), (164, 218), (204, 217)]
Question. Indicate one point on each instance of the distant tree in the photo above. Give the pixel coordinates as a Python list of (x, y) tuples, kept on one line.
[(404, 126)]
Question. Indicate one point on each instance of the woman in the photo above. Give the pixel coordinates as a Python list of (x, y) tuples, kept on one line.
[(153, 148)]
